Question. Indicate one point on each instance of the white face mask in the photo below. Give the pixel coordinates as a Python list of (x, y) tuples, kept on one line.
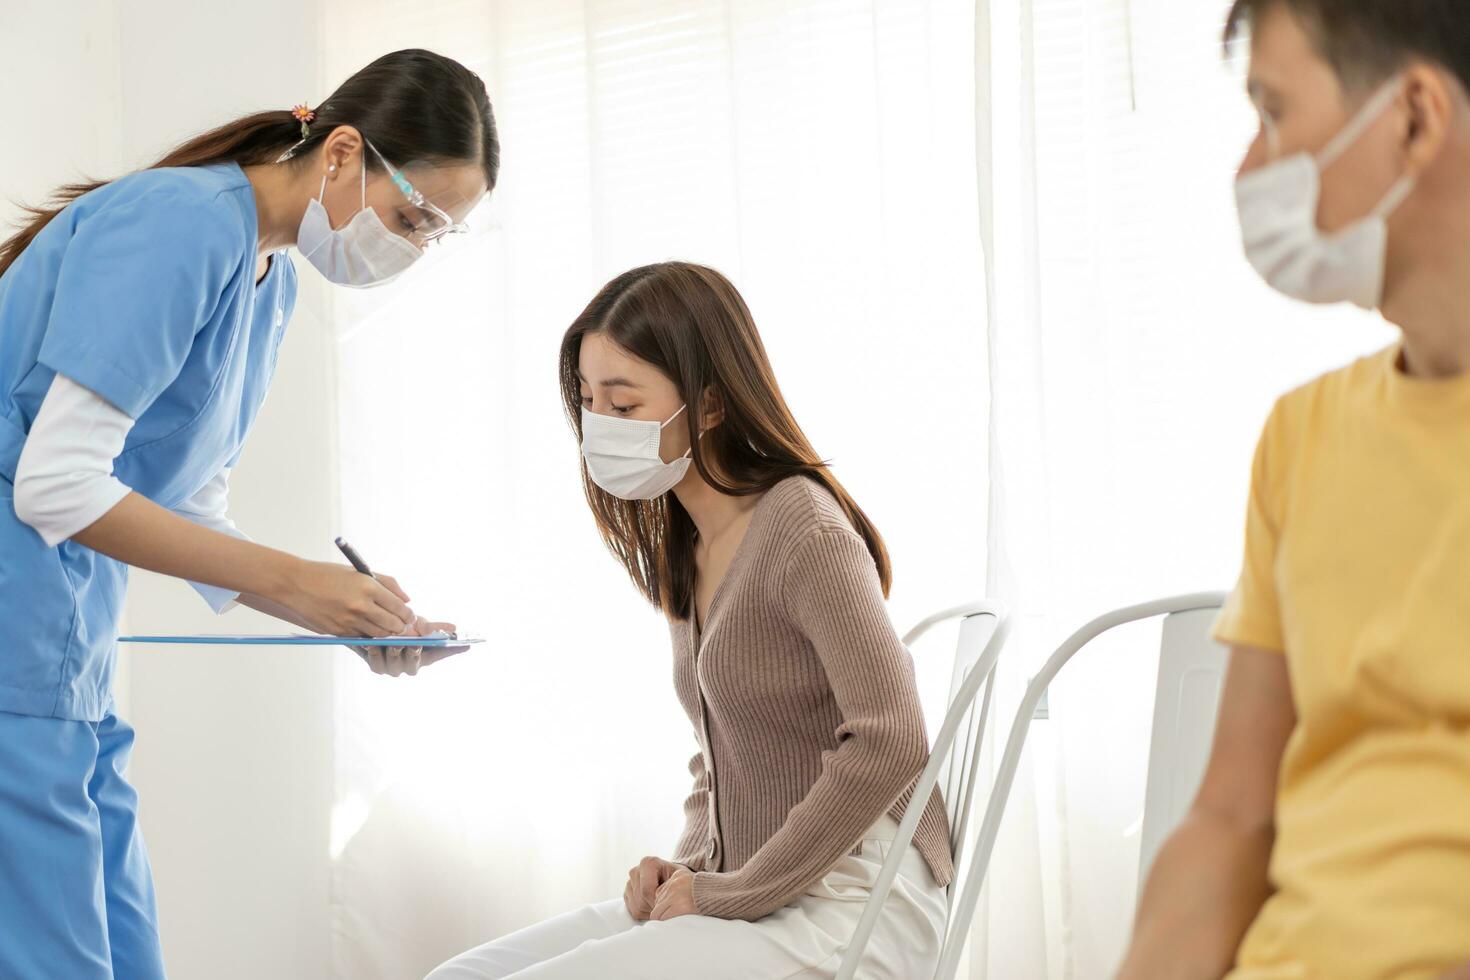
[(1278, 222), (362, 253), (623, 458)]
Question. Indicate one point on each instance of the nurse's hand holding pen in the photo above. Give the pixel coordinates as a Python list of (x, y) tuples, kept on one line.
[(338, 600), (396, 661)]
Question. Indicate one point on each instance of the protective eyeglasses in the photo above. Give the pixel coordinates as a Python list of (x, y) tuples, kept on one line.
[(430, 222)]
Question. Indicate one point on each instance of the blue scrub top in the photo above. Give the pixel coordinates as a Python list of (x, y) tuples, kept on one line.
[(143, 291)]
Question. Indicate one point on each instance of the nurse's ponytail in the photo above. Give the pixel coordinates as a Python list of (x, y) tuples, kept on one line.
[(416, 107)]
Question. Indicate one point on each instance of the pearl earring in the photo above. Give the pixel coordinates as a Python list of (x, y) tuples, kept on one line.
[(332, 168)]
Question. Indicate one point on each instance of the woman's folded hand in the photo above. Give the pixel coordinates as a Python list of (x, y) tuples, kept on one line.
[(644, 881), (676, 897)]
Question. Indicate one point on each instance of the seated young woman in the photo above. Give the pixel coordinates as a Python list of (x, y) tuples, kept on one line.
[(800, 695)]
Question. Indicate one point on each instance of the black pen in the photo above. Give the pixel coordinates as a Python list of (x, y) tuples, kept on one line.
[(362, 566), (354, 557)]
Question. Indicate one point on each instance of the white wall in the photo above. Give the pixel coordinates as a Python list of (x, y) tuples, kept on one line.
[(58, 95), (234, 753), (234, 763), (60, 105)]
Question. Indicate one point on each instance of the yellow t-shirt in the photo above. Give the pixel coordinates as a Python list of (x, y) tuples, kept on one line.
[(1357, 567)]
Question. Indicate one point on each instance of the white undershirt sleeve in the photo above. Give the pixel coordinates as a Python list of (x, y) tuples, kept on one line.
[(210, 507), (64, 481)]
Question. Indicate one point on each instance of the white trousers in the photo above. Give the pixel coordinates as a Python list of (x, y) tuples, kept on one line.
[(806, 939)]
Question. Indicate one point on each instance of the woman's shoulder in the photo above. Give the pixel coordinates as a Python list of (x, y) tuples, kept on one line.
[(800, 508), (810, 546)]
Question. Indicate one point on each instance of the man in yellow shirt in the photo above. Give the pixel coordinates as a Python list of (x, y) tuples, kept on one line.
[(1331, 837)]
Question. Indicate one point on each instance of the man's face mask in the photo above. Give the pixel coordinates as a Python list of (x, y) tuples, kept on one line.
[(1278, 221)]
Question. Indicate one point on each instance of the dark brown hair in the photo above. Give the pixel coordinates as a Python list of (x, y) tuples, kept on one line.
[(1366, 41), (689, 322), (414, 105)]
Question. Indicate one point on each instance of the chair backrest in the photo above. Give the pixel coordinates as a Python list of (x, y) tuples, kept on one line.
[(962, 908), (957, 786), (953, 759), (1186, 702)]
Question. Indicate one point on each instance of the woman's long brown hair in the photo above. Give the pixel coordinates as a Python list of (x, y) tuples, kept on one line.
[(415, 106), (691, 323)]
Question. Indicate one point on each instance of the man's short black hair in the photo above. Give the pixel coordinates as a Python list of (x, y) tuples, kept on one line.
[(1366, 41)]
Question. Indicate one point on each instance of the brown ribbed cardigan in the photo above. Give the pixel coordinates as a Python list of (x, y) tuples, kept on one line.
[(805, 708)]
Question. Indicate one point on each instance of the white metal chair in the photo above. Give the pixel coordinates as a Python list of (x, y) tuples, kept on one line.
[(1189, 665), (1191, 675), (956, 753)]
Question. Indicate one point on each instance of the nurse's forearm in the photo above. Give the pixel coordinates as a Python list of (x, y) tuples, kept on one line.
[(272, 608), (322, 596), (141, 533)]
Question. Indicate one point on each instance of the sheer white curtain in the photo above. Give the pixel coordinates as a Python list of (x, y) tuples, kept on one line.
[(820, 152), (1134, 356), (1084, 445)]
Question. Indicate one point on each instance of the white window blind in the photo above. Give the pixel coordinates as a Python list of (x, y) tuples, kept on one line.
[(1136, 357), (822, 155)]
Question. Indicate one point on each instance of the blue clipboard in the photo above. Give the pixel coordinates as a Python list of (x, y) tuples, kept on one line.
[(310, 640)]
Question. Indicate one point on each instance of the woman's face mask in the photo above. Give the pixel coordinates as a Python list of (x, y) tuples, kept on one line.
[(362, 252), (623, 458)]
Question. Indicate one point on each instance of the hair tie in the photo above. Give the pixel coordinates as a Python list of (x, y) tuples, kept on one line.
[(305, 116)]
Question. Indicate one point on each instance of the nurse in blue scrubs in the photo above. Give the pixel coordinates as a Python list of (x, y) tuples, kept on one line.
[(139, 325)]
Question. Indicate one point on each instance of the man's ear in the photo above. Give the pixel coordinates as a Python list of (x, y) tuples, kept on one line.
[(711, 408), (1432, 104)]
